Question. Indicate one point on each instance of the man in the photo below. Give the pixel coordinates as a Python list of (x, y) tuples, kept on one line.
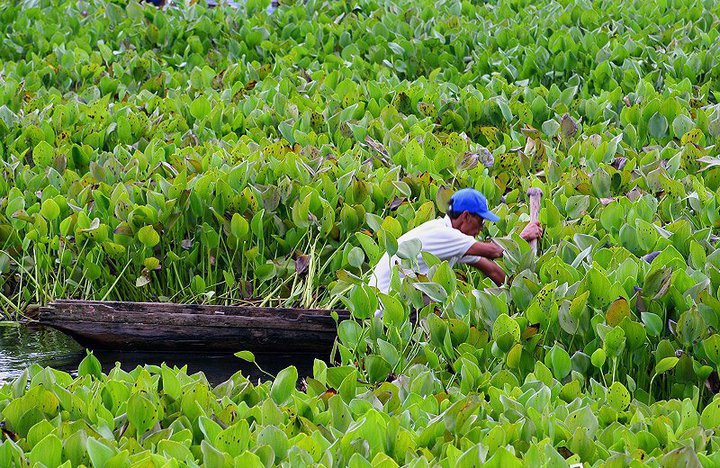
[(452, 238)]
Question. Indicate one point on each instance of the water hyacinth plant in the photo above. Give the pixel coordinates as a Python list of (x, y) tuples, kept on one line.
[(163, 163), (160, 416), (223, 155)]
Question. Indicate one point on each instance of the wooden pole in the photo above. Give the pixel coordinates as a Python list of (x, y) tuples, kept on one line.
[(534, 194)]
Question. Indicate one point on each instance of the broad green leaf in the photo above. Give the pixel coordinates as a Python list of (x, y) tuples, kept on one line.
[(506, 332), (657, 125), (666, 364), (653, 323), (246, 356), (200, 107), (710, 418), (47, 452), (141, 413), (90, 366), (598, 358), (148, 236), (99, 452), (445, 277), (618, 396), (558, 360), (433, 290), (409, 249), (283, 385), (617, 311)]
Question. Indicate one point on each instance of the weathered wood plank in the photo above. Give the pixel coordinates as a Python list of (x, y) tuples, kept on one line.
[(151, 326), (138, 307), (142, 337), (181, 319)]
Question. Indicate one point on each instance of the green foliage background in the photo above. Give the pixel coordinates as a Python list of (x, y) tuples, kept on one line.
[(221, 155)]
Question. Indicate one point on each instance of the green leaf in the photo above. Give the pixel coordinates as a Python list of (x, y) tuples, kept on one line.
[(212, 457), (618, 396), (234, 439), (506, 332), (502, 458), (362, 302), (393, 310), (43, 154), (90, 366), (433, 290), (445, 277), (350, 333), (175, 450), (666, 364), (635, 333), (598, 358), (657, 125), (409, 249), (372, 250), (47, 452), (615, 342), (249, 459), (50, 209), (141, 413), (377, 368), (356, 257), (558, 360), (653, 323), (283, 385), (170, 382), (570, 391), (200, 107), (98, 452), (697, 255), (711, 346), (239, 227), (657, 283), (198, 285), (710, 418), (577, 205), (276, 439), (681, 125), (148, 236)]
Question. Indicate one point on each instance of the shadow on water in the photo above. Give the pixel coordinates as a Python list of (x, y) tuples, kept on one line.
[(22, 346)]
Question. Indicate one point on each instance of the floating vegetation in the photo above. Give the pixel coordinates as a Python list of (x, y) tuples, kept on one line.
[(230, 156)]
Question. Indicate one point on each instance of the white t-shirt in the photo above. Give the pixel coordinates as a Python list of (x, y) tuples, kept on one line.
[(439, 238)]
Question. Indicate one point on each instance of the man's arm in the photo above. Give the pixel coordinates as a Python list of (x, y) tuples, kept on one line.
[(492, 250), (485, 249), (491, 269)]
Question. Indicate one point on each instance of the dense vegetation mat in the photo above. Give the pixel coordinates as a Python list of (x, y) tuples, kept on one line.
[(221, 155), (160, 416)]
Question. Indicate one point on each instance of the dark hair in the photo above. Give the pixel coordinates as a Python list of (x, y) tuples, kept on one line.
[(452, 214)]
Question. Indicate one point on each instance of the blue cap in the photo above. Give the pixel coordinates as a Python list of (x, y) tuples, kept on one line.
[(472, 201)]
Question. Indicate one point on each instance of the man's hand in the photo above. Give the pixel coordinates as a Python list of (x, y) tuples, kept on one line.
[(532, 231), (493, 250)]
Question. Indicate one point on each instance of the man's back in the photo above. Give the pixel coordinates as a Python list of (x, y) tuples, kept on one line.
[(438, 237)]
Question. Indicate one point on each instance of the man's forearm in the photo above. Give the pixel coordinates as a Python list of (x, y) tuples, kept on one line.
[(491, 269), (485, 249)]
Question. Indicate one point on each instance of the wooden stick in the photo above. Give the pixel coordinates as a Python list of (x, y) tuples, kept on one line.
[(534, 194)]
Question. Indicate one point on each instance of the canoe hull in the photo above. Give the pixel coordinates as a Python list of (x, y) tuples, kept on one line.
[(179, 327)]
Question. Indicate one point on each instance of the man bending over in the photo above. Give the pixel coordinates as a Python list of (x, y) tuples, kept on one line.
[(452, 238)]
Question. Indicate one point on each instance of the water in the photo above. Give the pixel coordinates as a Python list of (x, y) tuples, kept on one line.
[(22, 346)]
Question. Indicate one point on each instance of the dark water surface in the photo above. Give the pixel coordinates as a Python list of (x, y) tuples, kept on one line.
[(22, 346)]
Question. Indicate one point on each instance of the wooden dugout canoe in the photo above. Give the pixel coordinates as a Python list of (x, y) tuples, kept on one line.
[(181, 327)]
